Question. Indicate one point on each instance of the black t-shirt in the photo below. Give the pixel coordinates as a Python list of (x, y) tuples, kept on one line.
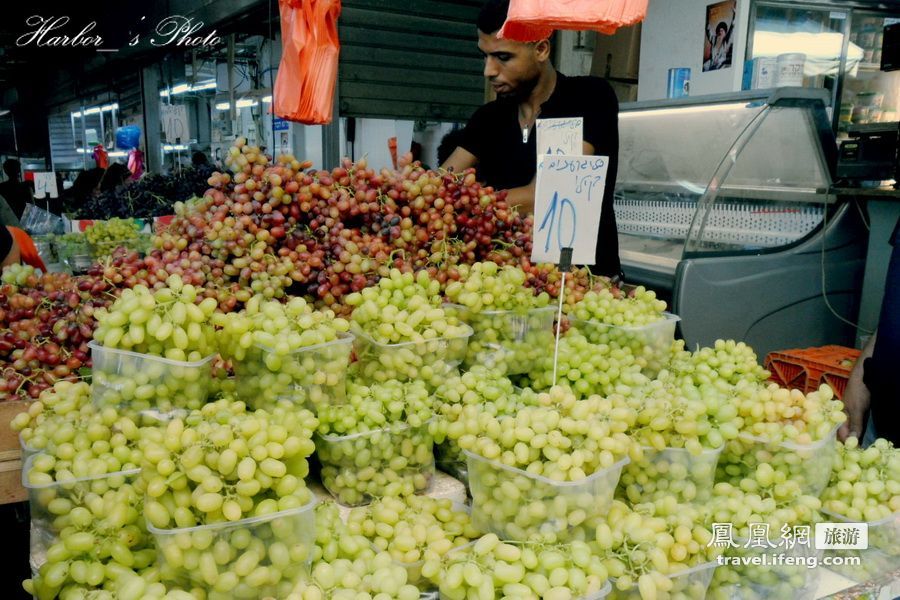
[(16, 194), (494, 136)]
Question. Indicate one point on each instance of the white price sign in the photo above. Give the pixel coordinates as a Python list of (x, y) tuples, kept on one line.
[(174, 120), (45, 185), (567, 205), (560, 136)]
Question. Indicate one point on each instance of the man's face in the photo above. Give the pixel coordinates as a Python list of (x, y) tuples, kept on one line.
[(512, 68)]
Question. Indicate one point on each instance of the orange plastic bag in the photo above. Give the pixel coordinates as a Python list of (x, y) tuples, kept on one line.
[(307, 74), (532, 20), (27, 250)]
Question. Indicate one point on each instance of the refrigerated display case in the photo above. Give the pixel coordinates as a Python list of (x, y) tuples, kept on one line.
[(724, 203), (840, 45)]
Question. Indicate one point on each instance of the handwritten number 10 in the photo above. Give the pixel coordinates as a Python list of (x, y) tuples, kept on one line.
[(551, 216)]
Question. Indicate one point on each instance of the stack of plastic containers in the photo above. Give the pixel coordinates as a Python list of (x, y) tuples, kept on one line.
[(649, 344), (883, 554), (670, 472), (690, 584), (395, 461), (257, 557), (148, 387), (510, 341), (310, 376), (810, 465), (766, 572), (517, 505), (66, 515), (428, 360)]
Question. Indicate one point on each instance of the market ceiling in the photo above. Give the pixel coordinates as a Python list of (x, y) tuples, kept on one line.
[(61, 50)]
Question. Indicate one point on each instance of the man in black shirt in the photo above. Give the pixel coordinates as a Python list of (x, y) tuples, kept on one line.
[(499, 140), (16, 193), (873, 386)]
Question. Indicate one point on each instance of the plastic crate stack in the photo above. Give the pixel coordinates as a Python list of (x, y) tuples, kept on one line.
[(807, 368)]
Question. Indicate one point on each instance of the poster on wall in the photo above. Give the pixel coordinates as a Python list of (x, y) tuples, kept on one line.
[(717, 42)]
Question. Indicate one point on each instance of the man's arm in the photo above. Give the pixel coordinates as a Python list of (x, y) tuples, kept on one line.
[(460, 160), (857, 396), (523, 197)]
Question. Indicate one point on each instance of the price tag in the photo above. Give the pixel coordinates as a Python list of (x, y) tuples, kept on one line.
[(560, 136), (45, 184), (174, 122), (567, 205)]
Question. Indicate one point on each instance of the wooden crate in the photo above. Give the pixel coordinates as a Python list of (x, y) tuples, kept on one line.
[(9, 439), (11, 489)]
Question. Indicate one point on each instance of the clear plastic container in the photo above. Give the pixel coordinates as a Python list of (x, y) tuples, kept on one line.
[(670, 472), (649, 343), (395, 461), (810, 465), (414, 569), (51, 503), (517, 505), (28, 449), (145, 386), (690, 584), (511, 341), (79, 263), (432, 361), (312, 376), (603, 592), (450, 460), (882, 555), (251, 558), (774, 579)]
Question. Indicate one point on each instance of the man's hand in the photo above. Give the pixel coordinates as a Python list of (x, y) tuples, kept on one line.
[(856, 397), (522, 197)]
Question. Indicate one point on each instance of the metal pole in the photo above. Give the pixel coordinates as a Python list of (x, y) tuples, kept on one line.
[(15, 138), (232, 109)]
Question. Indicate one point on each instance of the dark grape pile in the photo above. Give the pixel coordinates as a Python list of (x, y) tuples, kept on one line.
[(153, 195)]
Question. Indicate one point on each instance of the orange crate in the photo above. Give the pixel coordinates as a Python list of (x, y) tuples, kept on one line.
[(807, 368)]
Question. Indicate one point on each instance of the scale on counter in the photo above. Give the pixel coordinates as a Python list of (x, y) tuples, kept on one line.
[(870, 153)]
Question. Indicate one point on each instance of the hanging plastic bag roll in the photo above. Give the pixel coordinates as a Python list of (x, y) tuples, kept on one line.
[(532, 20), (307, 74)]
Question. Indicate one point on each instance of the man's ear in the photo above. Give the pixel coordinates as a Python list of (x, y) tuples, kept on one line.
[(542, 50)]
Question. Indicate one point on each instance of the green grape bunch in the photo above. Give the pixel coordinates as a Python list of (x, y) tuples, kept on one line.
[(285, 351), (492, 568), (403, 332)]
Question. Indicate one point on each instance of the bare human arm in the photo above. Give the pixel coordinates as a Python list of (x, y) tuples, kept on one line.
[(523, 197), (460, 160), (14, 256), (857, 396)]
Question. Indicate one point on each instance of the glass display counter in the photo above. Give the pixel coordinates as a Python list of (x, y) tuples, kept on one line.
[(724, 201)]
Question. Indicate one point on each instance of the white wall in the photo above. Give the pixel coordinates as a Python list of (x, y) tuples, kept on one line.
[(672, 36)]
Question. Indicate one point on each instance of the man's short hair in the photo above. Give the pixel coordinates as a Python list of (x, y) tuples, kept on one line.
[(449, 143), (12, 167), (492, 15)]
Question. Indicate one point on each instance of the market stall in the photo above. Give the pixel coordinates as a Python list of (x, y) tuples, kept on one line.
[(280, 374), (276, 397)]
